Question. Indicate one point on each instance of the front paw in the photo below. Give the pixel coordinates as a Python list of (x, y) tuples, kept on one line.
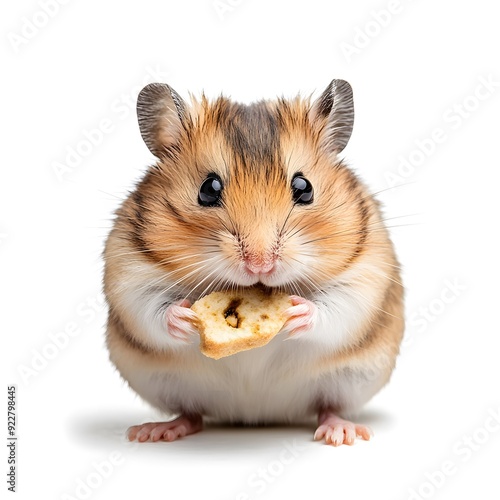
[(301, 317), (181, 321)]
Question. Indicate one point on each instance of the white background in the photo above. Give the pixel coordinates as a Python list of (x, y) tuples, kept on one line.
[(417, 69)]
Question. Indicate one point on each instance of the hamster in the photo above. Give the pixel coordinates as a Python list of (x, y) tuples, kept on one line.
[(243, 195)]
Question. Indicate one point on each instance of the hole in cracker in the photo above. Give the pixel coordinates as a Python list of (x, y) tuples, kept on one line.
[(231, 314)]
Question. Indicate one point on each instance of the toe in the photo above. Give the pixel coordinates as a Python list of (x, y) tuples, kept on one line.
[(349, 435), (157, 432), (298, 310), (132, 432), (181, 431), (174, 433), (143, 435), (364, 432), (337, 437), (320, 432), (296, 326), (296, 300), (137, 431), (169, 435)]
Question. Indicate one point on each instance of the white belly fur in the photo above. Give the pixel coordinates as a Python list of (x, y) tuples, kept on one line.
[(273, 383)]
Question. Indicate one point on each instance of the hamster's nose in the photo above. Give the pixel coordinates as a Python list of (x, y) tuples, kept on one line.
[(258, 265)]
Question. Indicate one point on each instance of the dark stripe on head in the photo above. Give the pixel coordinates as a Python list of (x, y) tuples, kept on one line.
[(251, 131), (166, 203)]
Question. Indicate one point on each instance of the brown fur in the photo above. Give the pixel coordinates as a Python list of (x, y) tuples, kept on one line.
[(255, 150)]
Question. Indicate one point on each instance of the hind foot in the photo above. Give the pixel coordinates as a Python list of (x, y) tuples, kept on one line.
[(337, 431), (166, 431)]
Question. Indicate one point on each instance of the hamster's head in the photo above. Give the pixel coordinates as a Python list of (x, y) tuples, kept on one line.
[(243, 194)]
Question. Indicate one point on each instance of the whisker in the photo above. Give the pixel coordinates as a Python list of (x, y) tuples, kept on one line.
[(280, 233), (183, 278), (166, 277), (136, 252), (354, 233), (203, 280)]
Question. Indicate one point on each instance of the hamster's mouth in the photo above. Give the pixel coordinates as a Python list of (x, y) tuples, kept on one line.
[(270, 281), (270, 276), (267, 282)]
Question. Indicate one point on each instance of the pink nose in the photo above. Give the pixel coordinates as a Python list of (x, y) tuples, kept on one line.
[(258, 266)]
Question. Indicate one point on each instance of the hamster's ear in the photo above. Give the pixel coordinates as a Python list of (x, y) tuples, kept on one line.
[(160, 111), (333, 111)]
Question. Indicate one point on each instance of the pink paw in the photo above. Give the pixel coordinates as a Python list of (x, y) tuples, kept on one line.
[(301, 317), (181, 321), (337, 431), (166, 431)]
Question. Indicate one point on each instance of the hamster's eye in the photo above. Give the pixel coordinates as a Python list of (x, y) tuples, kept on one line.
[(302, 190), (210, 191)]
